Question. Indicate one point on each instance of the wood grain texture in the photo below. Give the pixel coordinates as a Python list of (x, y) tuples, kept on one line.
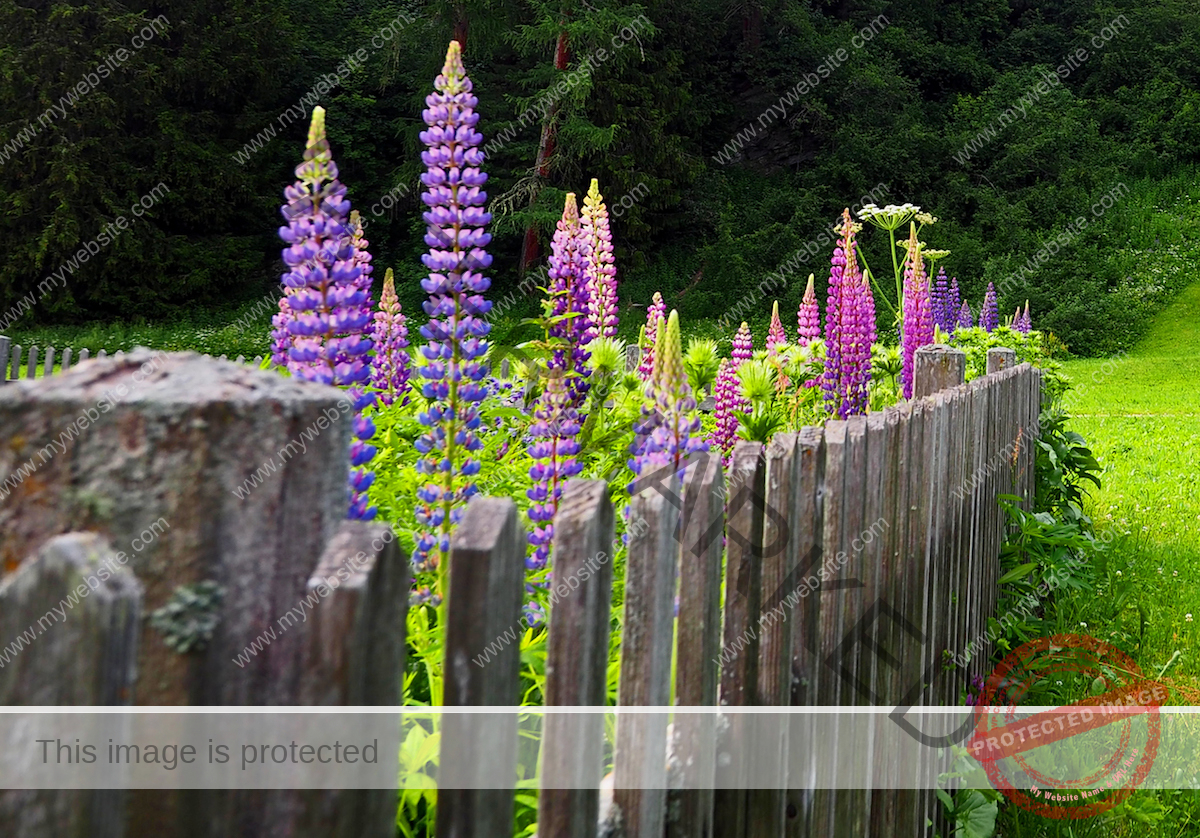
[(87, 659), (937, 368), (640, 758), (577, 660), (1000, 358), (5, 349), (487, 576), (698, 643)]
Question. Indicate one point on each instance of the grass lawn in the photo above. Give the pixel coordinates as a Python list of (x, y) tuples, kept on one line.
[(1141, 413)]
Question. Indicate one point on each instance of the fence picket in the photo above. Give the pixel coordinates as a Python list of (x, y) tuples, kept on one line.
[(31, 363), (5, 348)]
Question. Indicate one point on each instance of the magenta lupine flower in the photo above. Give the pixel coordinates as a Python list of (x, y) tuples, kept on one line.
[(556, 424), (601, 272), (727, 402), (989, 315), (918, 316), (392, 366), (743, 345), (328, 322), (676, 428), (654, 314), (849, 328), (965, 318), (776, 334), (808, 318), (569, 252), (453, 357), (362, 258), (953, 307), (943, 315)]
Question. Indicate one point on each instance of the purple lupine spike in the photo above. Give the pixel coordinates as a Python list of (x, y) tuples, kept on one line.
[(601, 272), (989, 315), (953, 307), (569, 252), (918, 316), (965, 318), (654, 314), (743, 344), (453, 364), (676, 428), (392, 365), (776, 334), (1026, 320), (808, 318), (556, 424), (727, 402), (329, 308), (943, 315), (849, 328)]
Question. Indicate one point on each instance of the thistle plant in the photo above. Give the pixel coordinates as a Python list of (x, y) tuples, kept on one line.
[(600, 271), (453, 364), (808, 318), (918, 315), (328, 307), (554, 448), (849, 328), (654, 314), (675, 434), (569, 252), (392, 365), (989, 315)]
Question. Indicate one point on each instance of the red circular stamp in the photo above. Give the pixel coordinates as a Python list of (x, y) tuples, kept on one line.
[(1074, 759)]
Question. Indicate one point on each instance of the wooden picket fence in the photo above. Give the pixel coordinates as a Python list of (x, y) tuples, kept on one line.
[(18, 362), (932, 469)]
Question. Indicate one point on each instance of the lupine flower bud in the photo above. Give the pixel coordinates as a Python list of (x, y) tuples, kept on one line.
[(453, 367), (743, 344), (568, 258), (776, 335), (965, 318), (600, 272)]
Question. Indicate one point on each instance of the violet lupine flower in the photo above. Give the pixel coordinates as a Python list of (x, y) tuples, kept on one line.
[(776, 334), (362, 258), (556, 424), (281, 336), (675, 432), (989, 315), (568, 256), (943, 315), (918, 314), (849, 329), (600, 270), (328, 323), (808, 318), (453, 357), (953, 307), (965, 319), (1026, 321), (743, 345), (654, 314), (392, 365)]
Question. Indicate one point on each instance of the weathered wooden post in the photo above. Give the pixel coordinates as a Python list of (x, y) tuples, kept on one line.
[(937, 368), (577, 661), (487, 575), (640, 758), (999, 358), (48, 363), (698, 644), (87, 660), (5, 348)]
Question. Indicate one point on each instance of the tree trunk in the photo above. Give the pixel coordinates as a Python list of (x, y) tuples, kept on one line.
[(546, 146)]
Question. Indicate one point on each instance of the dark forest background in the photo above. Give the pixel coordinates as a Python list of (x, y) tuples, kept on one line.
[(654, 120)]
